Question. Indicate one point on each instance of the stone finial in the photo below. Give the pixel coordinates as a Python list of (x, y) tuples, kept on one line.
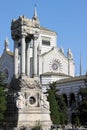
[(69, 54), (6, 45), (35, 17), (62, 50)]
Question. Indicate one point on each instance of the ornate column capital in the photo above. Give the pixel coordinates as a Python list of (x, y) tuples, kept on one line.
[(35, 36)]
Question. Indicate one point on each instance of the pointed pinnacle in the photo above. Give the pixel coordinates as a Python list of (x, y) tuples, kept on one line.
[(35, 17)]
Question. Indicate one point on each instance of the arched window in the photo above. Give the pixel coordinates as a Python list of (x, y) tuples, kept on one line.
[(65, 99), (6, 73), (72, 100)]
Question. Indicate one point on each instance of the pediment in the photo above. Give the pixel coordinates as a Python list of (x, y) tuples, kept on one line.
[(54, 52)]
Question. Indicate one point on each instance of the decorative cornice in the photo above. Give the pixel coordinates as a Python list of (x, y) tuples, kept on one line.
[(55, 74), (73, 79)]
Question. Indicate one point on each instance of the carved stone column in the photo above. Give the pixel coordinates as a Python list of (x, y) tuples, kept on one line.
[(23, 45), (28, 59), (15, 59), (35, 55)]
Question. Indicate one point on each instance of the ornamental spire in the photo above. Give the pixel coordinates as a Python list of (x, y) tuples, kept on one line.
[(35, 17), (6, 44)]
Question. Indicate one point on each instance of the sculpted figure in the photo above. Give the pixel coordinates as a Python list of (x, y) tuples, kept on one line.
[(44, 102), (20, 100)]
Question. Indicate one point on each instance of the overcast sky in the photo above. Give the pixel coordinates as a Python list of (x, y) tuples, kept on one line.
[(66, 17)]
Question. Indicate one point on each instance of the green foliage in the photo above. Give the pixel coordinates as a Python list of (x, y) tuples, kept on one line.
[(83, 92), (37, 126), (82, 108), (53, 107), (53, 104), (2, 84), (77, 121), (57, 106), (62, 109), (53, 86), (2, 97)]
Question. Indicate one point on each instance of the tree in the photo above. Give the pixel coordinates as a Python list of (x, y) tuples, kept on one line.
[(2, 97), (62, 109), (53, 104), (82, 108), (57, 106)]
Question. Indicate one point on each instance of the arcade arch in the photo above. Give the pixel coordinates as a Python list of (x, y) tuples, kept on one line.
[(65, 99), (72, 101)]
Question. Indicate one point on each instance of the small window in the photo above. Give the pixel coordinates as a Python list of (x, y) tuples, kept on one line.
[(44, 42)]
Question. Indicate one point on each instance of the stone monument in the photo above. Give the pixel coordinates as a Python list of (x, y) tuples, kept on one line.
[(28, 104)]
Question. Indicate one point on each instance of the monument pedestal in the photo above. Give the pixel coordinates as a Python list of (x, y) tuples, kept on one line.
[(33, 116), (31, 103)]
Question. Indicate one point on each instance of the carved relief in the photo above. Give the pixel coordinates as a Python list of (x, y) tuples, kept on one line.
[(20, 100), (32, 100), (29, 84), (44, 102)]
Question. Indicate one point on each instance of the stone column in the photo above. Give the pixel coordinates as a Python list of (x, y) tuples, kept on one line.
[(28, 59), (68, 100), (76, 102), (22, 63), (15, 59), (35, 56)]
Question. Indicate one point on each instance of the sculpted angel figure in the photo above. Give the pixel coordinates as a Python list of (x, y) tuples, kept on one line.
[(20, 100)]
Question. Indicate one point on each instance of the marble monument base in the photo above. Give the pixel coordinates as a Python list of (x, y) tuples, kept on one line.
[(34, 116), (30, 105)]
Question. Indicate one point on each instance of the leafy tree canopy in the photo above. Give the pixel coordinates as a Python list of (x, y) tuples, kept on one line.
[(82, 109)]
